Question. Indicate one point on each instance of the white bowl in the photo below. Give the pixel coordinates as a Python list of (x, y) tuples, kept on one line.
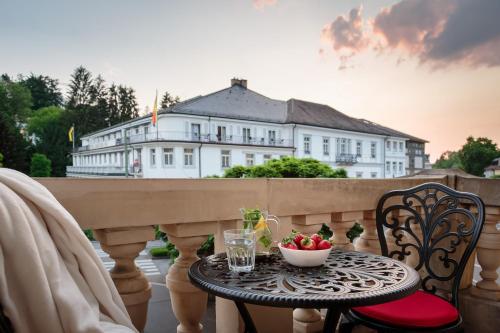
[(304, 258)]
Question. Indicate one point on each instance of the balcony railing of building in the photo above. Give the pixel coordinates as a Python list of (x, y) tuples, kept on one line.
[(346, 159), (189, 137), (96, 170), (123, 213)]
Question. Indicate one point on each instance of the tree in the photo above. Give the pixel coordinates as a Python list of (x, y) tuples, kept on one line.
[(286, 167), (1, 160), (40, 166), (80, 88), (448, 160), (477, 154), (128, 103), (50, 129), (113, 106), (44, 90), (15, 103), (168, 100)]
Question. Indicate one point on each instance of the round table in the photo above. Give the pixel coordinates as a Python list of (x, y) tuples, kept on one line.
[(347, 279)]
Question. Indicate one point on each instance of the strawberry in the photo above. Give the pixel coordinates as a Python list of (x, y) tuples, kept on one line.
[(316, 238), (291, 246), (297, 238), (288, 243), (324, 245), (307, 244)]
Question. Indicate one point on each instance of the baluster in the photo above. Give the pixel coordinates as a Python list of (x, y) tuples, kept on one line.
[(341, 223), (488, 256), (124, 245), (368, 241), (188, 302)]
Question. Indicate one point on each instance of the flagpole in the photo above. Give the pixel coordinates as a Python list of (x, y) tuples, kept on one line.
[(73, 141), (156, 106)]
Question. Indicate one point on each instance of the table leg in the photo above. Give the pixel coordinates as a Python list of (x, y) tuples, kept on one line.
[(331, 320), (245, 315)]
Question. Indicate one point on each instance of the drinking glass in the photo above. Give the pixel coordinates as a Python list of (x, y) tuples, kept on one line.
[(240, 249)]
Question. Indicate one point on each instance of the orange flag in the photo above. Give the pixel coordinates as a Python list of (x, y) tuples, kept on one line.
[(154, 117)]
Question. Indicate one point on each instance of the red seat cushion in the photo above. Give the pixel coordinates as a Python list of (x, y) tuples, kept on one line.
[(418, 310)]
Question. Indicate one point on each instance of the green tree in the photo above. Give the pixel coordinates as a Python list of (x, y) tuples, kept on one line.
[(477, 154), (40, 166), (1, 160), (44, 90), (50, 129), (286, 167), (15, 107), (113, 106), (169, 100), (80, 88), (448, 160), (128, 103)]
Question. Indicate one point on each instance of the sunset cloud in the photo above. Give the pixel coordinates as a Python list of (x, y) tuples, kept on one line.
[(346, 33), (443, 32), (259, 4), (436, 32)]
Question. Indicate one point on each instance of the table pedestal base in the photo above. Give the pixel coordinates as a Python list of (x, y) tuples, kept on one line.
[(331, 320)]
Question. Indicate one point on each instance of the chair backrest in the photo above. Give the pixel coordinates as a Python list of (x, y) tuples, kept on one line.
[(434, 229)]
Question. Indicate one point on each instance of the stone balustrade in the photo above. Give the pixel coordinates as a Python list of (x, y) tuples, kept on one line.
[(122, 213)]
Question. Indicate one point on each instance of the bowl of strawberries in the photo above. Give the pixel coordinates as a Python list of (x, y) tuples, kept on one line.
[(305, 251)]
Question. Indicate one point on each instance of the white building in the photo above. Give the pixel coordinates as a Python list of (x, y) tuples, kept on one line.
[(237, 126)]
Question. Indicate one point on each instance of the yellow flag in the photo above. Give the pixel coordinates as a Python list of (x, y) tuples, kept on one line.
[(155, 110), (71, 133)]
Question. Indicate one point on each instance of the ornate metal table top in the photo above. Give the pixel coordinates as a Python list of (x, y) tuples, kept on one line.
[(346, 279)]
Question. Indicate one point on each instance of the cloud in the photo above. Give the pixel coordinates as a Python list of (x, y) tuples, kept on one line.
[(443, 32), (260, 4), (346, 33)]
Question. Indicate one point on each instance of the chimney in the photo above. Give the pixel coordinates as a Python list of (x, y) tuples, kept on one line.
[(240, 82)]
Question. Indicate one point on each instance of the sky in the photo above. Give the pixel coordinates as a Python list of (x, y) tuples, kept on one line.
[(429, 68)]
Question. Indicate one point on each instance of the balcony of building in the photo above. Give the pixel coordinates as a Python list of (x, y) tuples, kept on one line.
[(124, 212), (346, 159), (180, 136)]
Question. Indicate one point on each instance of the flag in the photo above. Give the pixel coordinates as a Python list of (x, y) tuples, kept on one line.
[(71, 133), (155, 110)]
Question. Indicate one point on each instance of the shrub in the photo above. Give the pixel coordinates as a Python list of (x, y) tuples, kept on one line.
[(286, 167), (40, 166), (89, 234)]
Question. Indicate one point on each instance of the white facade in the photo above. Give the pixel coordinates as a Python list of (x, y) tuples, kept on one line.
[(196, 145)]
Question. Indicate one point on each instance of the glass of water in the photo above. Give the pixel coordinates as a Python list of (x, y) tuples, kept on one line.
[(240, 249)]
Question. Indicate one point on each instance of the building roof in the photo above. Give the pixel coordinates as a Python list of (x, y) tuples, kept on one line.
[(234, 102), (314, 114), (239, 102)]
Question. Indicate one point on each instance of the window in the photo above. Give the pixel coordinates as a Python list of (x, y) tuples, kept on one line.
[(388, 167), (388, 145), (137, 130), (373, 175), (373, 150), (394, 167), (247, 137), (307, 144), (271, 137), (225, 160), (400, 146), (250, 159), (195, 132), (326, 146), (394, 145), (400, 167), (343, 147), (359, 148), (152, 157), (267, 157), (359, 174), (168, 156), (188, 156), (221, 133)]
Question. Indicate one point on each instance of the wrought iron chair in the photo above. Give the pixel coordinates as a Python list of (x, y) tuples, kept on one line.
[(435, 230)]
